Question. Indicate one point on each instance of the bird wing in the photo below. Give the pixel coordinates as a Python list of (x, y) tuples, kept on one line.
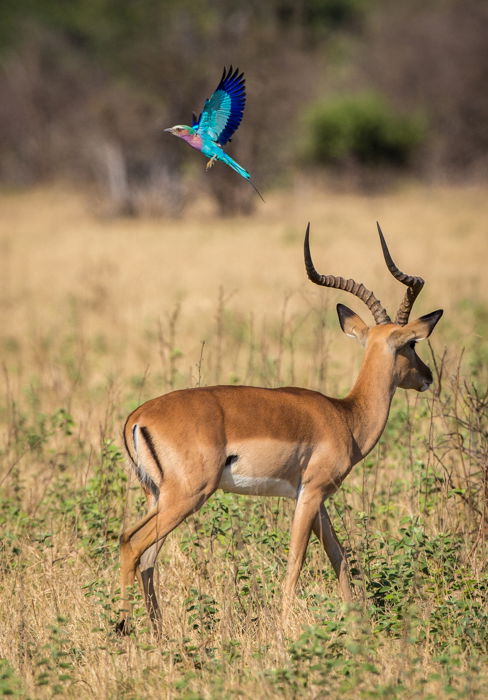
[(222, 112)]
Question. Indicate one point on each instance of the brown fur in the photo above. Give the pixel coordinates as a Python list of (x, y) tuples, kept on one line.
[(287, 441)]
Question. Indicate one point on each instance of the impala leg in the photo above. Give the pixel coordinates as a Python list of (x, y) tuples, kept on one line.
[(305, 512), (149, 533), (129, 567), (145, 573), (324, 530), (145, 576)]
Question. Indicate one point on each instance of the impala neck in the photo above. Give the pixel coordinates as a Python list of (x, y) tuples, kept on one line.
[(368, 402)]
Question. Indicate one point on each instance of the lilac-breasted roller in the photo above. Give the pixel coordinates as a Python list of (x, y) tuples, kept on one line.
[(220, 118)]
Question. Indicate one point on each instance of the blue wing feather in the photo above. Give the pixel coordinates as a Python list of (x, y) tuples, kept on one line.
[(222, 112)]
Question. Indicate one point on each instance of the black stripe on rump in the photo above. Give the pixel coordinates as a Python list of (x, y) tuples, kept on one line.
[(150, 444)]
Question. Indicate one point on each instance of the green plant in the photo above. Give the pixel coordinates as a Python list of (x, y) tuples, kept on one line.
[(202, 611), (101, 503), (55, 665), (10, 684), (363, 129)]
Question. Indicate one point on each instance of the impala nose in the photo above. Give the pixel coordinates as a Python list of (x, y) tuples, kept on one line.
[(427, 381)]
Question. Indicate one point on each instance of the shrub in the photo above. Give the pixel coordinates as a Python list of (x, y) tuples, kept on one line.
[(364, 129)]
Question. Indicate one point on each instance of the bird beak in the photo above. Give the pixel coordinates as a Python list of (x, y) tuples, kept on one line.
[(170, 129)]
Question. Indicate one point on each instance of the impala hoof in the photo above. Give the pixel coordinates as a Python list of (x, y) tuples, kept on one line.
[(122, 628)]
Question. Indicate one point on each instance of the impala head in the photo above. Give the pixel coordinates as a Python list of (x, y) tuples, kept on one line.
[(391, 341)]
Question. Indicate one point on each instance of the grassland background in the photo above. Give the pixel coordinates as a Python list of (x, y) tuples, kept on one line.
[(100, 314)]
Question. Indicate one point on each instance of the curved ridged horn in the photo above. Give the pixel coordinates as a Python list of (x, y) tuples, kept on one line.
[(359, 290), (414, 284)]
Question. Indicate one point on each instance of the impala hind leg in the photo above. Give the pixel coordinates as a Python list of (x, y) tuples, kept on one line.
[(305, 512), (145, 575), (324, 530), (146, 538)]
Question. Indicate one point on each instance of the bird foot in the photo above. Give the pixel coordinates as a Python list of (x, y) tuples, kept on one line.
[(211, 162)]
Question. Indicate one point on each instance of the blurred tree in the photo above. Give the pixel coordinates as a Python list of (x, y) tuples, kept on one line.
[(433, 56), (93, 82), (86, 87), (319, 17), (362, 129)]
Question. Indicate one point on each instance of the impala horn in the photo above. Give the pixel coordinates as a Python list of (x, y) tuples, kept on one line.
[(359, 290), (414, 284)]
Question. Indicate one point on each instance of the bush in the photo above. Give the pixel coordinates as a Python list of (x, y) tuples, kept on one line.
[(363, 129)]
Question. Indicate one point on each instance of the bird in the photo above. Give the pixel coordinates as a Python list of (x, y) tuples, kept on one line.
[(220, 118)]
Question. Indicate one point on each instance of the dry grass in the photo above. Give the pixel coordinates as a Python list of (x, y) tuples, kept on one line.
[(99, 314)]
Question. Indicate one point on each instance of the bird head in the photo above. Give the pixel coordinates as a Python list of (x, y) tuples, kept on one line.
[(180, 130)]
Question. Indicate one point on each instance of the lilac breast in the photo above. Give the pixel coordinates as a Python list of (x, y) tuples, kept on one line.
[(193, 140)]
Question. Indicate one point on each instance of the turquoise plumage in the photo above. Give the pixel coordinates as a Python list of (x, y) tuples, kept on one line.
[(220, 118)]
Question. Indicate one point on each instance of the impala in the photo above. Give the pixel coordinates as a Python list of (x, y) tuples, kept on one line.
[(289, 442)]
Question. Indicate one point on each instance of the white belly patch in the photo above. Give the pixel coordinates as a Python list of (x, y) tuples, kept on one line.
[(255, 485)]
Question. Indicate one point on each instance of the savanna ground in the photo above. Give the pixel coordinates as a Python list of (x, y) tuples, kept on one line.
[(100, 314)]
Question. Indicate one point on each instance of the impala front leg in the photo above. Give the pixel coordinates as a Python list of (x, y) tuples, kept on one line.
[(325, 532), (306, 510)]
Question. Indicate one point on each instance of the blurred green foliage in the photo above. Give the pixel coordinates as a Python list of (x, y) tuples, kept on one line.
[(364, 129), (322, 15)]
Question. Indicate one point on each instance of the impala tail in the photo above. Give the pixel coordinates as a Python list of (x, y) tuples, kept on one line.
[(143, 456)]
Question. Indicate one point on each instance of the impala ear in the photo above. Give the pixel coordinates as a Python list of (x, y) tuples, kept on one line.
[(352, 324), (420, 329), (423, 326)]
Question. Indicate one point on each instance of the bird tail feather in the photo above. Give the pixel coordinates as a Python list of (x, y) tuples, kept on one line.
[(243, 173), (235, 166)]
